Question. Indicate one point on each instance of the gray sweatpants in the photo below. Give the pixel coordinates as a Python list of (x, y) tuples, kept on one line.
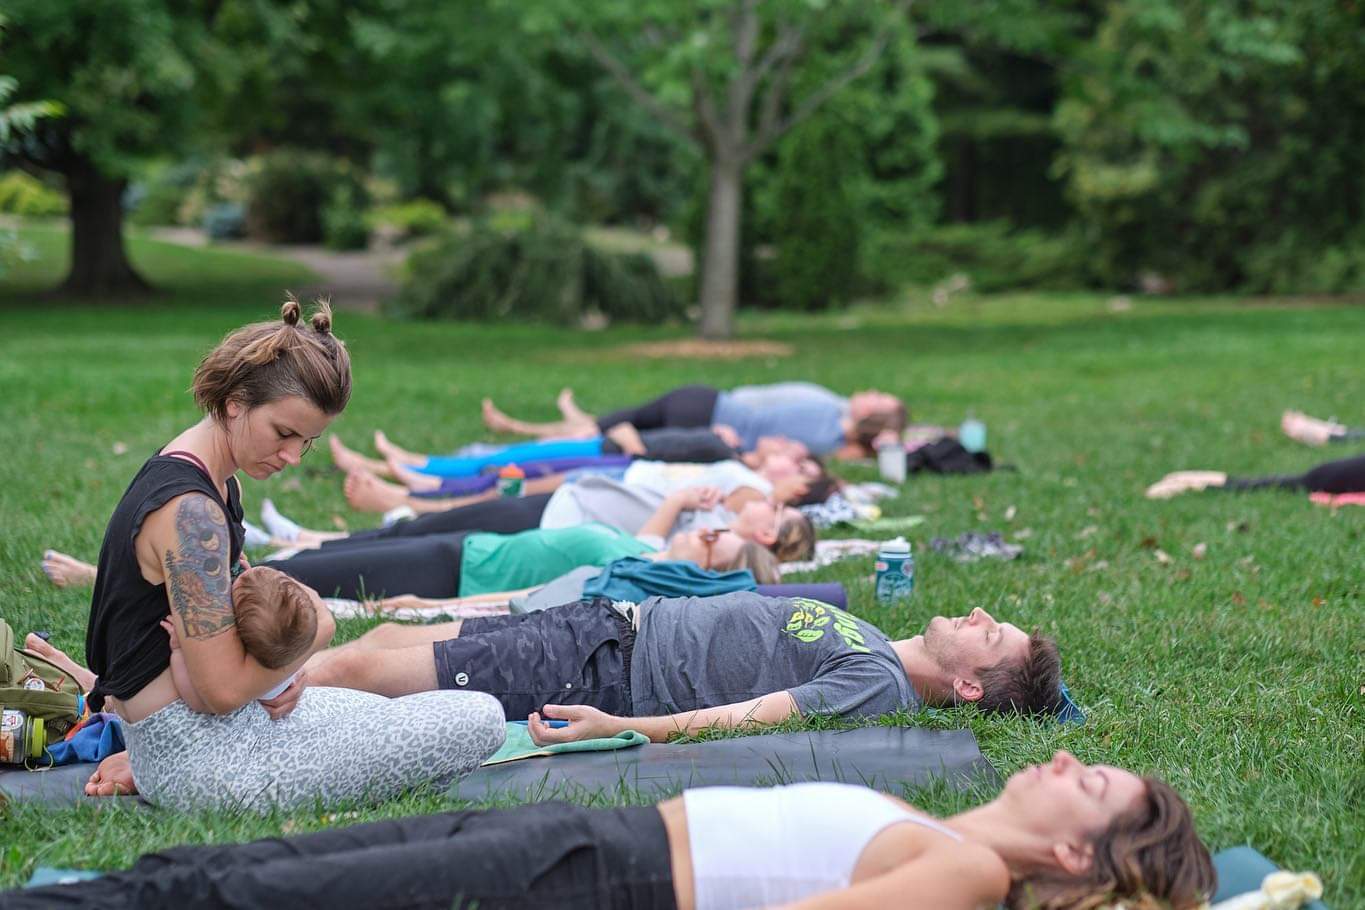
[(338, 744)]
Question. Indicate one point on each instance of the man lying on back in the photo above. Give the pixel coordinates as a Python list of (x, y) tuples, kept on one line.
[(671, 665)]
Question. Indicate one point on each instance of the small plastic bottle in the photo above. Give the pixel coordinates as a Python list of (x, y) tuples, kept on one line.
[(895, 570), (21, 737), (511, 480), (972, 434)]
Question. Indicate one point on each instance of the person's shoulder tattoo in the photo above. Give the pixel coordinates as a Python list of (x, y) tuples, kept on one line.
[(198, 574)]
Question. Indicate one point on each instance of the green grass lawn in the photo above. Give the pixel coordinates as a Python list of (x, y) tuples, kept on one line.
[(1239, 677)]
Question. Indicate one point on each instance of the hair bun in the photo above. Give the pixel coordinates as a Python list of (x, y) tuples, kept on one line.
[(322, 317), (291, 311)]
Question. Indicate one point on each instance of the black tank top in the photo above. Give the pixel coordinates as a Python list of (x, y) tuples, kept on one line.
[(124, 642)]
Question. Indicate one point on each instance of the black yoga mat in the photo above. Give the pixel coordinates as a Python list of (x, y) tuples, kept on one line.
[(885, 758), (64, 786)]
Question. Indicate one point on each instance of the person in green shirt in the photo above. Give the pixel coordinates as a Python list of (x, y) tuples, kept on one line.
[(468, 563)]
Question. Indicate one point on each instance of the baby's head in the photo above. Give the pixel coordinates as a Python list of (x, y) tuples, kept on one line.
[(276, 616)]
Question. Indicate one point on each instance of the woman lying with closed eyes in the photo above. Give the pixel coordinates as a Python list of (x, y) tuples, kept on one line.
[(1061, 836)]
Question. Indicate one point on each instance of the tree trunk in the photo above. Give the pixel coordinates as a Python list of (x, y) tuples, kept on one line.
[(99, 262), (720, 260)]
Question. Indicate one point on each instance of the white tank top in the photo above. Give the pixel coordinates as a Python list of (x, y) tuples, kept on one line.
[(756, 847)]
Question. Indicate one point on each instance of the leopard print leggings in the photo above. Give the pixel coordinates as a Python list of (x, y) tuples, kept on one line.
[(337, 745)]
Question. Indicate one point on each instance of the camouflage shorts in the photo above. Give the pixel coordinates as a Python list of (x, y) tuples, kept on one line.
[(576, 654)]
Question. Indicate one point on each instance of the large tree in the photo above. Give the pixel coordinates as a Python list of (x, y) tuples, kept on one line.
[(122, 70), (720, 74)]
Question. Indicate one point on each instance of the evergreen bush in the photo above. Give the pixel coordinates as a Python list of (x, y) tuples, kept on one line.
[(819, 229), (544, 272), (288, 190)]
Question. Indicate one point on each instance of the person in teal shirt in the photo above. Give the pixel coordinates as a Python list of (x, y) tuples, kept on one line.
[(466, 563)]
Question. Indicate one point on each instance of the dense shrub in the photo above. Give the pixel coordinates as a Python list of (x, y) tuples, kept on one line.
[(24, 194), (818, 241), (414, 218), (288, 190), (343, 222), (545, 272), (219, 187), (992, 255), (159, 197), (224, 221)]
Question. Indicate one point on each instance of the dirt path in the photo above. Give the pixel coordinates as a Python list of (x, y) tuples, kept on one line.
[(359, 280)]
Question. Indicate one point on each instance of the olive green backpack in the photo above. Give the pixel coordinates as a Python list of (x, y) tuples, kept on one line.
[(38, 687)]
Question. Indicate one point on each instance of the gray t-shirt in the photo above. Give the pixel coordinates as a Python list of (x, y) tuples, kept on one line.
[(702, 652), (803, 411)]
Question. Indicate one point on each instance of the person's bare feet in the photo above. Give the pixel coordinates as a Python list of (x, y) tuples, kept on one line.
[(570, 409), (415, 481), (394, 453), (67, 571), (113, 777), (1184, 481), (51, 653), (367, 493), (348, 459), (1309, 430), (494, 419)]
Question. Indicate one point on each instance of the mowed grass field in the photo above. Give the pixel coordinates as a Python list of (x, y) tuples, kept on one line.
[(1238, 676)]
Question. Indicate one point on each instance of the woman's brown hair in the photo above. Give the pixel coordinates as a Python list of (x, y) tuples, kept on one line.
[(267, 361), (1149, 857)]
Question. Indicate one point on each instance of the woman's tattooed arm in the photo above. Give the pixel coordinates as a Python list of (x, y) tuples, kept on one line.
[(198, 571)]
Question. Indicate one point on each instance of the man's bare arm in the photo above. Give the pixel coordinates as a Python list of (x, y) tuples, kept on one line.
[(590, 723)]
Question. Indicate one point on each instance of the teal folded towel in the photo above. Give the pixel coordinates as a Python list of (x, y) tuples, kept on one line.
[(519, 744)]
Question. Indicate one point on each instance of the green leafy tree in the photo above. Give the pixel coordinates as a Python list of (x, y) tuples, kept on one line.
[(17, 120), (1220, 144), (819, 241), (122, 70), (720, 74)]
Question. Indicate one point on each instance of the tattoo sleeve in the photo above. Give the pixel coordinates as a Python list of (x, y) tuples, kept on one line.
[(198, 574)]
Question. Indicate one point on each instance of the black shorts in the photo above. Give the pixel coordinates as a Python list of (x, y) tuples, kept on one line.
[(684, 407), (546, 855), (577, 654)]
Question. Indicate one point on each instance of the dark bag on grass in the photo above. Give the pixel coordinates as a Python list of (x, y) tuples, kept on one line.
[(38, 687), (947, 456)]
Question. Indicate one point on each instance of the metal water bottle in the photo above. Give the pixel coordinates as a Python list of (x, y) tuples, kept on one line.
[(895, 570)]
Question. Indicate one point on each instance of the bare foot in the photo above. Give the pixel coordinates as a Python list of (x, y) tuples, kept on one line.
[(1184, 481), (494, 419), (49, 652), (393, 453), (570, 409), (367, 493), (350, 460), (113, 777), (415, 481), (1309, 430), (67, 571)]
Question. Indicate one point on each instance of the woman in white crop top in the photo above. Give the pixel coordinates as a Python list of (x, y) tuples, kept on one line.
[(1060, 836)]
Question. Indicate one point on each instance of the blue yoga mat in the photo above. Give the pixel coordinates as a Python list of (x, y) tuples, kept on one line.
[(1242, 869)]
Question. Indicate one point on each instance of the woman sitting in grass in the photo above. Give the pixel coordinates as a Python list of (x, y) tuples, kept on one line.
[(1061, 836), (825, 423), (172, 548)]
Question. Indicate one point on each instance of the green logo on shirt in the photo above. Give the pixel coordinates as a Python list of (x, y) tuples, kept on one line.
[(810, 619)]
